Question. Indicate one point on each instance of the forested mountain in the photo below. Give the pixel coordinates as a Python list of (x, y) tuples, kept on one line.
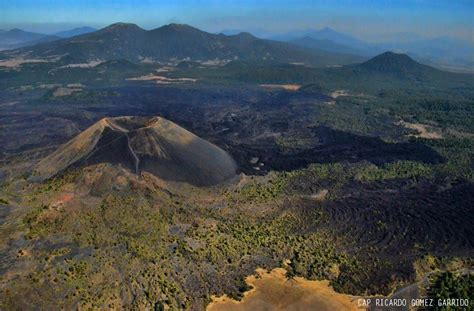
[(179, 42)]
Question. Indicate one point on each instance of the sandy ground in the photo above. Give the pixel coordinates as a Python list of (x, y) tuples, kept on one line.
[(273, 291), (338, 93), (161, 79), (16, 62), (146, 60), (298, 63), (215, 62), (288, 87), (89, 64), (165, 69), (423, 130), (320, 195), (76, 85)]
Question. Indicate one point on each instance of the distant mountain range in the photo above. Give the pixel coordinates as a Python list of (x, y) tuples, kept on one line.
[(74, 32), (179, 42), (444, 52), (17, 38), (386, 72), (325, 45), (257, 32), (328, 34), (174, 42)]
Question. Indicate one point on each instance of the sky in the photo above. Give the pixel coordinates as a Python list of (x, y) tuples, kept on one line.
[(370, 20)]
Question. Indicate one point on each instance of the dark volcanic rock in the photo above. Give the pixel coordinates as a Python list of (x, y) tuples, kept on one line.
[(154, 145)]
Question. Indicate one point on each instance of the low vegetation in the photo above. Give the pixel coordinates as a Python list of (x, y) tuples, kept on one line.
[(334, 185), (448, 287)]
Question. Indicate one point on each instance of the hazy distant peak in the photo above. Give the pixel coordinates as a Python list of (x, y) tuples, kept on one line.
[(309, 38), (173, 27), (15, 38), (122, 26), (75, 32), (16, 31), (327, 29), (245, 35)]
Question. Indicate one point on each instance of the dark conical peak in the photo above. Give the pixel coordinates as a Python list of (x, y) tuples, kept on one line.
[(392, 56), (142, 144), (392, 62)]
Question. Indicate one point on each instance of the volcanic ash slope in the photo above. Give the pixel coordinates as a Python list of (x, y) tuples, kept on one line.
[(154, 145)]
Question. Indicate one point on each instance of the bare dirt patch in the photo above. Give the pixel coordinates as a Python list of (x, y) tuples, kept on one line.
[(320, 195), (162, 79), (274, 291), (17, 62), (424, 130), (65, 91), (165, 69), (215, 62), (90, 64), (338, 93), (288, 87)]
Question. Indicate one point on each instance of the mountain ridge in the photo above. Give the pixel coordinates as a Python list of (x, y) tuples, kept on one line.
[(17, 38), (441, 51), (179, 42), (74, 32), (363, 48)]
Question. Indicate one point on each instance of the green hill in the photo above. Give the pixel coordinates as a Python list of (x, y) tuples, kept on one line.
[(387, 71), (393, 63)]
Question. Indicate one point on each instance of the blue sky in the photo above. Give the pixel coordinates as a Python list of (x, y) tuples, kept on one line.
[(365, 19)]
